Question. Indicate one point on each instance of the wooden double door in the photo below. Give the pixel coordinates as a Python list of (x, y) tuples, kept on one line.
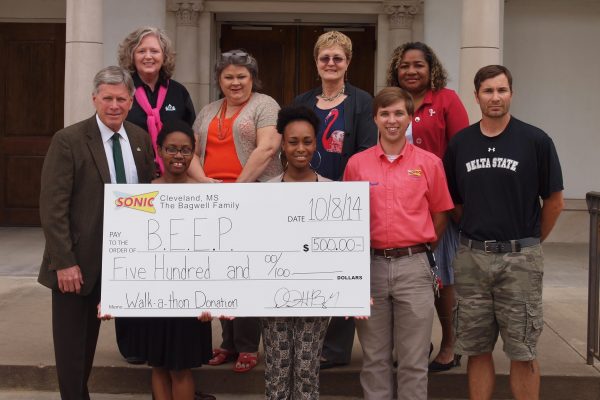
[(32, 91), (32, 69), (285, 55)]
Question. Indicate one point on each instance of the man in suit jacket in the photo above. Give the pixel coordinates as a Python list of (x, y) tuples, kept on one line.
[(78, 164)]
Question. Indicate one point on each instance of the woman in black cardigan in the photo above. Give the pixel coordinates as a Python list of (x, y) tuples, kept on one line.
[(347, 127)]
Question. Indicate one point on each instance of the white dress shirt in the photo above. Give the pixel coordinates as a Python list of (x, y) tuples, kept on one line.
[(128, 161), (408, 134)]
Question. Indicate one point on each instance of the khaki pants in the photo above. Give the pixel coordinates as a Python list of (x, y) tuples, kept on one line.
[(401, 319)]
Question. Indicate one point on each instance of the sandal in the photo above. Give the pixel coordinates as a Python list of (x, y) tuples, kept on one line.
[(245, 362), (221, 356)]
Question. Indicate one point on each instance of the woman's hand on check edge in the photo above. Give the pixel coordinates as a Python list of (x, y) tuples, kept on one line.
[(210, 180), (363, 316), (104, 317), (205, 316)]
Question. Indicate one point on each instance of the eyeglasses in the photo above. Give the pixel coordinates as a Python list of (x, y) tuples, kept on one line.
[(172, 151), (235, 56), (336, 59)]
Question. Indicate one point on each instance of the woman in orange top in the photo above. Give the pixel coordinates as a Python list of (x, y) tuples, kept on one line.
[(237, 139), (237, 142)]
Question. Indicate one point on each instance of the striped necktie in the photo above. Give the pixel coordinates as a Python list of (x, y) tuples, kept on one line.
[(118, 159)]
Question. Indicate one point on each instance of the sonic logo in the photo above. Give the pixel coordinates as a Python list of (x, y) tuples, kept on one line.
[(414, 172), (141, 202)]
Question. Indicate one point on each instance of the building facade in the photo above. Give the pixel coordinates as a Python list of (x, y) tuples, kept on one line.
[(549, 45)]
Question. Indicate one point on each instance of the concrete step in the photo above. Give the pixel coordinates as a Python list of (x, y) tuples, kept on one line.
[(342, 381), (40, 395), (27, 357)]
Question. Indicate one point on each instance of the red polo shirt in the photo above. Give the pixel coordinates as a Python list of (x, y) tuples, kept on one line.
[(403, 194), (440, 117)]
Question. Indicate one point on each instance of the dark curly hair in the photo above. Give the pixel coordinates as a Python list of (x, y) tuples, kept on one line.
[(172, 126), (438, 77), (290, 114)]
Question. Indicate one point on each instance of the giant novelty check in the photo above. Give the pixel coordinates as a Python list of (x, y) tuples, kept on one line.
[(247, 249)]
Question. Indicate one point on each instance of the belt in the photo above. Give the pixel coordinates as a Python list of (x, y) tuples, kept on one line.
[(494, 246), (400, 251)]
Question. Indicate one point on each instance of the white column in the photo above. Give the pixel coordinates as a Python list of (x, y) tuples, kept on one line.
[(443, 35), (383, 51), (187, 13), (418, 25), (395, 27), (480, 45), (83, 57), (205, 64), (401, 14)]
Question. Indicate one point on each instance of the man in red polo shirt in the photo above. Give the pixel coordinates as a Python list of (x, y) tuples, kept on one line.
[(409, 197)]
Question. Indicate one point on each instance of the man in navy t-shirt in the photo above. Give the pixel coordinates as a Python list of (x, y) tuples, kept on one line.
[(498, 170)]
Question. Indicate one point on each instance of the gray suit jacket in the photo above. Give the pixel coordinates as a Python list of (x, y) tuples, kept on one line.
[(72, 198)]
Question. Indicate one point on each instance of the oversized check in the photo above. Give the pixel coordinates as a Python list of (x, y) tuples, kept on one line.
[(239, 249)]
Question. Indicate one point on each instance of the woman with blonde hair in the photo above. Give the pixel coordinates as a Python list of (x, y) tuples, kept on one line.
[(346, 128), (148, 54)]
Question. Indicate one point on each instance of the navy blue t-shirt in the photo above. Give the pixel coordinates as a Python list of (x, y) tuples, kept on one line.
[(327, 160), (500, 180)]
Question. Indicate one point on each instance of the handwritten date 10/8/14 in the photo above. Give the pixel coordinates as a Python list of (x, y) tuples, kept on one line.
[(335, 208)]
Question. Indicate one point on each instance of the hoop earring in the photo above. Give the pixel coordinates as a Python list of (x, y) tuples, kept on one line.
[(318, 164), (283, 161)]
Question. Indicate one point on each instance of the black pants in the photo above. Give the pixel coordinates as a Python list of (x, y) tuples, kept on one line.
[(339, 340), (241, 335), (75, 328)]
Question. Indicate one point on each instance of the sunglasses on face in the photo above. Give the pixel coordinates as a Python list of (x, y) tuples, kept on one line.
[(172, 150), (336, 59), (236, 57)]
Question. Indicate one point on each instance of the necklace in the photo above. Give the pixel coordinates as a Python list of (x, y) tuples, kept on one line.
[(224, 128), (335, 96)]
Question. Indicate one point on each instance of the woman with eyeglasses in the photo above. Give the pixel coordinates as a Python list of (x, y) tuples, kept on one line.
[(439, 115), (173, 346), (346, 128), (237, 142), (148, 54)]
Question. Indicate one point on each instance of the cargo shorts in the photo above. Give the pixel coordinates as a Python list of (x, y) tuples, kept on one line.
[(498, 293)]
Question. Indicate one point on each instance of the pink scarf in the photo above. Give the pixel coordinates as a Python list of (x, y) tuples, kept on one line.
[(153, 120)]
